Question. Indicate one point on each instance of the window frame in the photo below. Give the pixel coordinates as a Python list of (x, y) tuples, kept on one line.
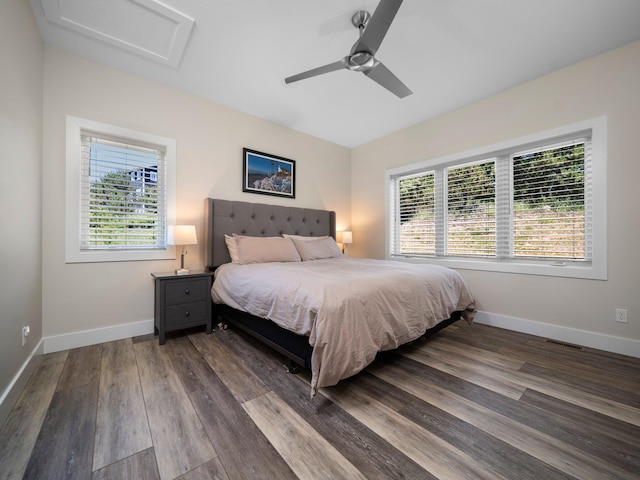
[(73, 250), (596, 269)]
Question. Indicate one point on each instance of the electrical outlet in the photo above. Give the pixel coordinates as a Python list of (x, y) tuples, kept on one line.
[(25, 333), (621, 315)]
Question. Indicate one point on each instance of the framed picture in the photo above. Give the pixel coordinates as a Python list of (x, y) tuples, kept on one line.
[(268, 174)]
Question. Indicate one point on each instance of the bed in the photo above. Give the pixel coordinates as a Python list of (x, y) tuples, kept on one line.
[(333, 331)]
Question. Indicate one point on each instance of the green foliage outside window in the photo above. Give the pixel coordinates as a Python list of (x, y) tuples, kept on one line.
[(123, 211), (547, 206)]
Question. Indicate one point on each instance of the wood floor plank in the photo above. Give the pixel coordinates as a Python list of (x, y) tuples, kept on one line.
[(570, 413), (612, 388), (179, 439), (141, 466), (583, 357), (445, 380), (483, 447), (238, 378), (81, 368), (241, 447), (483, 336), (122, 428), (269, 366), (473, 441), (373, 456), (473, 354), (20, 431), (474, 374), (212, 470), (578, 364), (426, 449), (486, 376), (559, 454), (615, 441), (369, 452), (612, 440), (64, 448), (308, 454)]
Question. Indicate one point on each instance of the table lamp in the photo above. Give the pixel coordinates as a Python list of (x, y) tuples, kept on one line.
[(347, 238), (182, 235)]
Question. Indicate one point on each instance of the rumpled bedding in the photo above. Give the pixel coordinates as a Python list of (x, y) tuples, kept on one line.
[(350, 308)]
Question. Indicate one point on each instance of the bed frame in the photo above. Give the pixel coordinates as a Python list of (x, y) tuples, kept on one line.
[(262, 220)]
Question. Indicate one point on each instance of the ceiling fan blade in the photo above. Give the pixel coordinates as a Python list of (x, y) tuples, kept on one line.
[(383, 76), (332, 67), (377, 26)]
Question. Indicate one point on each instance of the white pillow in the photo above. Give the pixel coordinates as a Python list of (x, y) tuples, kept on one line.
[(266, 249), (302, 237), (317, 249), (232, 246)]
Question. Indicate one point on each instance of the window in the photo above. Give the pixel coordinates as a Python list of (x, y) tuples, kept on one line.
[(532, 205), (120, 193)]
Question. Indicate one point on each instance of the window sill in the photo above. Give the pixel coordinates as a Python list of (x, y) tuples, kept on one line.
[(97, 256), (592, 271)]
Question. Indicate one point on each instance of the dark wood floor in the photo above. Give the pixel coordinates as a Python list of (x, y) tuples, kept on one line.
[(473, 402)]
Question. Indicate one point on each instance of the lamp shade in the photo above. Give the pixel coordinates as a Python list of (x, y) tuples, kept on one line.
[(347, 237), (182, 235)]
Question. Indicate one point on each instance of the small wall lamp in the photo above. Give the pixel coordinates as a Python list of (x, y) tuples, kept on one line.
[(182, 235)]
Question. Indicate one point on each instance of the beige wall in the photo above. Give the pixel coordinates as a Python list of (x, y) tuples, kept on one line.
[(21, 62), (605, 85), (210, 138)]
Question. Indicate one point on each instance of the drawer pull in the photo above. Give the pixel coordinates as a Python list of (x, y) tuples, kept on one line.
[(186, 314), (186, 291)]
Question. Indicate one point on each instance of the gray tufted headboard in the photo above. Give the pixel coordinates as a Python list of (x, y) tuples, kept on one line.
[(258, 220)]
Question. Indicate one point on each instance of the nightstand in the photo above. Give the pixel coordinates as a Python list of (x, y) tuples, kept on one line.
[(182, 301)]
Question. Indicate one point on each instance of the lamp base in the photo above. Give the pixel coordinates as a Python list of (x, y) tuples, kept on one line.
[(182, 271)]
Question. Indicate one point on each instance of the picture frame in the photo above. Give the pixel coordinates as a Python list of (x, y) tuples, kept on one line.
[(268, 174)]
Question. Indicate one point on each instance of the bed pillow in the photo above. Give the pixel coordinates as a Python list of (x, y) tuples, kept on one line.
[(317, 249), (266, 249), (232, 246), (303, 237)]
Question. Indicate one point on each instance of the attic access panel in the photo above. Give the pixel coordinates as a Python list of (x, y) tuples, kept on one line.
[(144, 27)]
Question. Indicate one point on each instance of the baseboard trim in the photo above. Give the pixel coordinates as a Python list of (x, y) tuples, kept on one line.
[(599, 341), (12, 392), (84, 338)]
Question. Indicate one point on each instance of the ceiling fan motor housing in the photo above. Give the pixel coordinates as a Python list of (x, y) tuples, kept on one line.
[(361, 61)]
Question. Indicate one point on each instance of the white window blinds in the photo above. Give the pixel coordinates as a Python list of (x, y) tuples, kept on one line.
[(123, 194), (416, 215), (471, 210), (529, 203), (551, 201)]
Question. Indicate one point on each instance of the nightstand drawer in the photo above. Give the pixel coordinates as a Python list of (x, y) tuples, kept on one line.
[(177, 316), (185, 291)]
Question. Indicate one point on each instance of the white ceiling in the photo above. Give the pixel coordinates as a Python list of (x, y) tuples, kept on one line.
[(238, 52)]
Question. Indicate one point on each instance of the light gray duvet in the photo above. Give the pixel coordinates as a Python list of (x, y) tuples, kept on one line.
[(350, 308)]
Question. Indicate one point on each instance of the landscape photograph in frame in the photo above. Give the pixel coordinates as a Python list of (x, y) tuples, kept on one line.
[(268, 174)]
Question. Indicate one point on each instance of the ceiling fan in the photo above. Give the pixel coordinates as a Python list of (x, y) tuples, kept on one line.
[(362, 56)]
